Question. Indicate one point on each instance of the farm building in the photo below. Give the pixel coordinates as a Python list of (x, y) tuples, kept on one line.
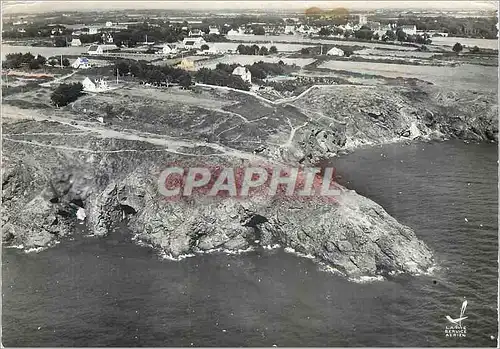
[(101, 49), (243, 73), (81, 63), (334, 51), (193, 43)]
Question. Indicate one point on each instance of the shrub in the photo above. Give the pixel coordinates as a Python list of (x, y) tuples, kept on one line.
[(66, 93)]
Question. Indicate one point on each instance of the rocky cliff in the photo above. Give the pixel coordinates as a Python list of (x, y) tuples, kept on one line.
[(57, 162)]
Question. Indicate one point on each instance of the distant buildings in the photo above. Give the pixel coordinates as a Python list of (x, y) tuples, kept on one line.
[(410, 29), (363, 20), (81, 63), (243, 73)]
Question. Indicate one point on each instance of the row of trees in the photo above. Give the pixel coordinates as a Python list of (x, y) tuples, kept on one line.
[(156, 75), (256, 50), (221, 77), (18, 60), (66, 93)]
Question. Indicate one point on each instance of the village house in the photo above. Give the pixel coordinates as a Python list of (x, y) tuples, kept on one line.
[(234, 32), (195, 33), (409, 29), (167, 50), (214, 30), (335, 51), (101, 49), (193, 43), (100, 85), (81, 63), (243, 73), (76, 42)]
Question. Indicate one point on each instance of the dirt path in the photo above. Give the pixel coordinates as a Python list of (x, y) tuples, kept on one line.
[(170, 144)]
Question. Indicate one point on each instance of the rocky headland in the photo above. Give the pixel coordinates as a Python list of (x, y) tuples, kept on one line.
[(104, 154)]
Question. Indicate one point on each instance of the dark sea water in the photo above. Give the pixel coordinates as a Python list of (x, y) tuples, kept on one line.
[(110, 292)]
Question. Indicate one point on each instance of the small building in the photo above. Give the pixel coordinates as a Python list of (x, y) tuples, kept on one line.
[(243, 73), (168, 50), (93, 30), (213, 30), (100, 85), (101, 49), (81, 63), (195, 33), (233, 32), (289, 29), (76, 42), (87, 84), (335, 51), (95, 50), (193, 43)]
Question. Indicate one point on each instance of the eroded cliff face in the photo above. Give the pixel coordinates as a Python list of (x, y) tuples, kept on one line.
[(116, 182)]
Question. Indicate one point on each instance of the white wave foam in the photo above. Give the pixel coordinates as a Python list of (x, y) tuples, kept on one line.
[(271, 247), (35, 249), (300, 254), (367, 279)]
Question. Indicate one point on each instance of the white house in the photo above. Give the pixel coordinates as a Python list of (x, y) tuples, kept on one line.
[(76, 42), (289, 29), (214, 30), (88, 85), (409, 29), (195, 33), (93, 30), (100, 49), (243, 73), (193, 43), (335, 51), (81, 63), (99, 86), (233, 32), (95, 50), (168, 50)]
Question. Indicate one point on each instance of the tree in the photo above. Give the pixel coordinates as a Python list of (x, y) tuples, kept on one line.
[(305, 51), (41, 59), (273, 50), (324, 32), (457, 48), (389, 36), (204, 47), (376, 36), (34, 64), (53, 62), (259, 31), (65, 62), (401, 35), (60, 42), (263, 51), (474, 49), (66, 93), (364, 34), (185, 81)]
